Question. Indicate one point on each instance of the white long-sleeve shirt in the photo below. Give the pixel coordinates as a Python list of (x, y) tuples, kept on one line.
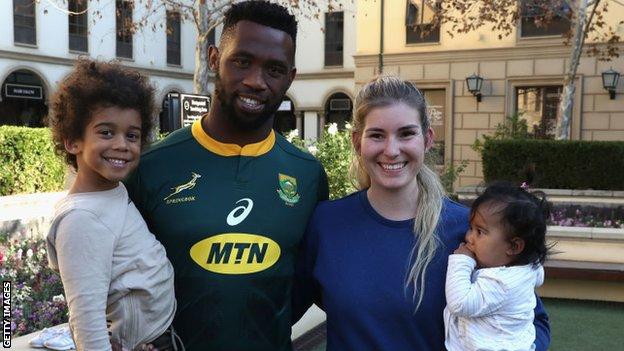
[(490, 308), (113, 269)]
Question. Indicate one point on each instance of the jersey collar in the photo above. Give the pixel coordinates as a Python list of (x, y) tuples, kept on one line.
[(223, 149)]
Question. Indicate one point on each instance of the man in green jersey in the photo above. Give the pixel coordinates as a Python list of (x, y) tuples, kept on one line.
[(229, 198)]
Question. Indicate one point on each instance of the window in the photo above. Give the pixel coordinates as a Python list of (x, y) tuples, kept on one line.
[(338, 109), (173, 38), (418, 23), (24, 22), (334, 38), (78, 25), (531, 10), (539, 107), (123, 23)]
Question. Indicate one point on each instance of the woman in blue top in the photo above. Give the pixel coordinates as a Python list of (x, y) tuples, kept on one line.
[(375, 261)]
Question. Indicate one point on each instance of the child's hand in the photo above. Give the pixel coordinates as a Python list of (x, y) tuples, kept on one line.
[(464, 250)]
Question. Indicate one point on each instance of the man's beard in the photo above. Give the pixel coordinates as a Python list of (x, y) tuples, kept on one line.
[(227, 106)]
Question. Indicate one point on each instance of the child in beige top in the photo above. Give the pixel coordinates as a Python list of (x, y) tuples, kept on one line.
[(118, 281)]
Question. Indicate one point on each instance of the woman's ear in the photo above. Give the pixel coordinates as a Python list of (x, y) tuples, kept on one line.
[(356, 140), (429, 136), (516, 245)]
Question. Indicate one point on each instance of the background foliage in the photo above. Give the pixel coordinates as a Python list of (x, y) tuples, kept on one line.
[(333, 150), (37, 298), (28, 163), (558, 164)]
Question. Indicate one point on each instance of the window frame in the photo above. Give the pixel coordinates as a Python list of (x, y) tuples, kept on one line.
[(123, 37), (575, 123), (334, 38), (24, 22), (553, 30), (543, 105), (415, 27), (81, 21)]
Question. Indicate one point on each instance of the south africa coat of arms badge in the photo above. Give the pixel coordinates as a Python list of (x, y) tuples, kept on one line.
[(288, 189)]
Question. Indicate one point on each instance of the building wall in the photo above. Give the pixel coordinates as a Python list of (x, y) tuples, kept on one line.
[(52, 60), (369, 23), (315, 83), (504, 64)]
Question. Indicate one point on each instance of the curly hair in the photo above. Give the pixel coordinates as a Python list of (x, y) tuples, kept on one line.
[(260, 12), (523, 214), (93, 85)]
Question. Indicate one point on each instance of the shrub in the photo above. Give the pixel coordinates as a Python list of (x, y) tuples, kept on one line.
[(558, 164), (333, 150), (514, 127), (28, 163), (448, 174)]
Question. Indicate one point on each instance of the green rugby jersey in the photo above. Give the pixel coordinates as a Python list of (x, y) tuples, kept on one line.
[(231, 220)]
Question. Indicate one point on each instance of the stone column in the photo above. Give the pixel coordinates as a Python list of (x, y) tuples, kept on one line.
[(310, 124)]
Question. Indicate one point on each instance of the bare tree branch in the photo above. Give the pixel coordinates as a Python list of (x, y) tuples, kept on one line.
[(64, 9)]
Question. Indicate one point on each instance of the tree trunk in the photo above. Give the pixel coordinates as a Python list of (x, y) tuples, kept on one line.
[(567, 96), (200, 78)]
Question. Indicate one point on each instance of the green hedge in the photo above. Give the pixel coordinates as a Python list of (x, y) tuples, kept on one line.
[(28, 163), (558, 164)]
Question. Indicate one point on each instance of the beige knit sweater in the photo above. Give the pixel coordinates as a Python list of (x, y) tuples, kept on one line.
[(113, 270)]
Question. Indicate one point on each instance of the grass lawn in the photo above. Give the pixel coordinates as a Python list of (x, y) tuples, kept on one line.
[(585, 325), (576, 325)]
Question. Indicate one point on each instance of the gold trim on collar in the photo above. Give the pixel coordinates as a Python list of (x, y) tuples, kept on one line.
[(223, 149)]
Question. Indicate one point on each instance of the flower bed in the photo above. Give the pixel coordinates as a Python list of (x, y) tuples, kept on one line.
[(37, 299), (587, 216)]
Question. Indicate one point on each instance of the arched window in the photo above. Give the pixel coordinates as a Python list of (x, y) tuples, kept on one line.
[(23, 100), (285, 119), (338, 109)]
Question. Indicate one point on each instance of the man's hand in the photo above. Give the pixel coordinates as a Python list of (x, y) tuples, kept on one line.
[(464, 250)]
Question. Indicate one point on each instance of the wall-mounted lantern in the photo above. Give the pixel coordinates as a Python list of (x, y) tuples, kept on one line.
[(610, 81), (474, 83)]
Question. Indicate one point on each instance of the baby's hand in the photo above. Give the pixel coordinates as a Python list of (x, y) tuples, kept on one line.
[(464, 250)]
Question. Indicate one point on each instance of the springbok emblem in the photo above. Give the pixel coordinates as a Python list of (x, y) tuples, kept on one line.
[(188, 185)]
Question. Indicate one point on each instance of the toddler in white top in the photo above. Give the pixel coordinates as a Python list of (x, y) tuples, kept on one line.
[(491, 278)]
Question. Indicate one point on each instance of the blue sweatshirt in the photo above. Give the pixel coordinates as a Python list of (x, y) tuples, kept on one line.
[(354, 265)]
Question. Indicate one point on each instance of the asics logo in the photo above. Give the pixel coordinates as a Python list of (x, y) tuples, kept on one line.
[(239, 213)]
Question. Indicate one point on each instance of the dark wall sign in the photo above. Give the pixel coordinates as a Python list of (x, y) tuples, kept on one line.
[(23, 91), (193, 107)]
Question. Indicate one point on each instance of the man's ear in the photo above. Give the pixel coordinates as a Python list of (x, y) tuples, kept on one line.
[(213, 58), (293, 73), (71, 146), (516, 245), (356, 140)]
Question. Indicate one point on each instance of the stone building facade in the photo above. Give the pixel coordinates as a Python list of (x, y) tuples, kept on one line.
[(523, 72), (42, 41)]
